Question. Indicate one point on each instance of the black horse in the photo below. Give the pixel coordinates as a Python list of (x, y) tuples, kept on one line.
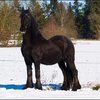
[(36, 49)]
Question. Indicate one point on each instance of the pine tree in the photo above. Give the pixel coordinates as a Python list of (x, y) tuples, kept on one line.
[(37, 12), (94, 17), (86, 25), (70, 22), (61, 21), (53, 6), (91, 19), (78, 14), (46, 9)]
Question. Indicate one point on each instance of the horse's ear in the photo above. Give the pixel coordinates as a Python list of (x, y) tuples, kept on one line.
[(22, 8), (28, 9)]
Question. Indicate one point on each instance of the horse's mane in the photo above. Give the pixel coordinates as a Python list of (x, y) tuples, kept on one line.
[(34, 21)]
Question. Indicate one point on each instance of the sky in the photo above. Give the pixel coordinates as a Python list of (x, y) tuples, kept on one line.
[(24, 3)]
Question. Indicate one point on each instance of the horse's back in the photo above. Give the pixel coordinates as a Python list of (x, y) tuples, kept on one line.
[(62, 40)]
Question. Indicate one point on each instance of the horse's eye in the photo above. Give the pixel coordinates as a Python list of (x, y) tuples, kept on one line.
[(27, 15)]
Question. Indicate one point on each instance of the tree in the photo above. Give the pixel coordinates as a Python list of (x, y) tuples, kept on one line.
[(70, 23), (94, 17), (53, 6), (79, 17), (60, 21), (90, 20), (16, 4), (37, 12), (4, 23), (15, 18), (50, 8), (9, 21), (85, 23)]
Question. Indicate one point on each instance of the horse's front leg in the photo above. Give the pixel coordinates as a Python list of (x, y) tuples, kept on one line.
[(38, 84), (29, 82)]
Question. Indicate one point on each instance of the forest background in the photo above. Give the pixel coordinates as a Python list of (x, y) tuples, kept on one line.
[(76, 19)]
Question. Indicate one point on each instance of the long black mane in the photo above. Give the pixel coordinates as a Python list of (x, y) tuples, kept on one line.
[(36, 49)]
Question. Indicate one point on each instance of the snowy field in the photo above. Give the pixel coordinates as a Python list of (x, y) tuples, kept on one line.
[(13, 75)]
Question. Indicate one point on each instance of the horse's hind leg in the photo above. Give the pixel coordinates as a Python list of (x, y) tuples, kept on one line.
[(69, 76), (66, 84), (29, 83), (75, 84)]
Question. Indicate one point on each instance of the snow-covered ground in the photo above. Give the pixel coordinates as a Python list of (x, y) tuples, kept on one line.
[(13, 74)]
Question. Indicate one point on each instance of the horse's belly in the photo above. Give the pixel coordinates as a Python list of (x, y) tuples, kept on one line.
[(50, 59)]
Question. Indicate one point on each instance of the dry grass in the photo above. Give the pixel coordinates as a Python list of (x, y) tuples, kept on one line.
[(97, 87)]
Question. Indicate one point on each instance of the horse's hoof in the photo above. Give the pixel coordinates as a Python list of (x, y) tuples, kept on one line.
[(65, 88), (25, 87), (38, 87), (79, 87), (28, 86), (75, 88)]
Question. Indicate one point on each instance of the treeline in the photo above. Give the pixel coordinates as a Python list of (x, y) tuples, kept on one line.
[(87, 19), (74, 19)]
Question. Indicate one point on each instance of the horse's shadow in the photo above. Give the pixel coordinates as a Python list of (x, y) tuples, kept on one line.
[(20, 87), (12, 86)]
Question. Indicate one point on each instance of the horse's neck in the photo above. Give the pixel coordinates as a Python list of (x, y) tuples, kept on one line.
[(33, 37), (35, 33)]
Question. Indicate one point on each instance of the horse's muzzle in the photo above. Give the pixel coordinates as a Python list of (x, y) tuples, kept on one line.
[(23, 32)]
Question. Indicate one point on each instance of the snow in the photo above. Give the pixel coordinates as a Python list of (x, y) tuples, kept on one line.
[(13, 75)]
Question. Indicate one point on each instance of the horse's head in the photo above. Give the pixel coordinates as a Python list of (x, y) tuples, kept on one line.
[(25, 20)]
